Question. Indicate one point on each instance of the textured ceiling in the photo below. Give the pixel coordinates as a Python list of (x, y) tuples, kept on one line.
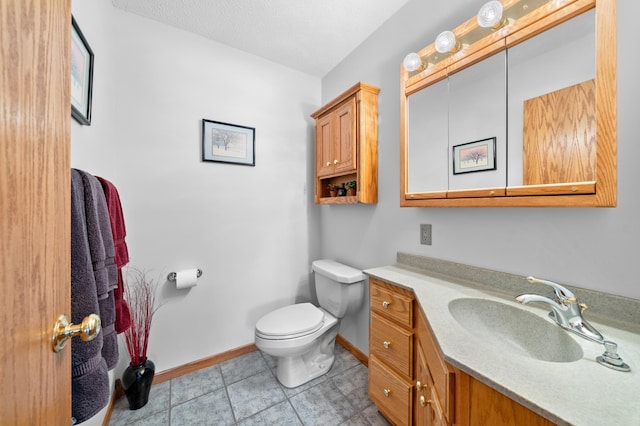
[(312, 36)]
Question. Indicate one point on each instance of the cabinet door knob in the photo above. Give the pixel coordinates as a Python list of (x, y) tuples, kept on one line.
[(424, 401), (386, 344), (419, 385), (335, 161), (328, 163), (385, 304), (387, 392)]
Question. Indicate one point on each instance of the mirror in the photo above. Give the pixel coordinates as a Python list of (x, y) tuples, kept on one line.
[(428, 161), (478, 112), (538, 70), (532, 86)]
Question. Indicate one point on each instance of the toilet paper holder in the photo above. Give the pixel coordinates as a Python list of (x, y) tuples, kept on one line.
[(172, 275)]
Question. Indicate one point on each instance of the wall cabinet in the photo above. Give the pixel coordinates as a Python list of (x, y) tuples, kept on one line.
[(347, 145), (411, 383), (512, 84)]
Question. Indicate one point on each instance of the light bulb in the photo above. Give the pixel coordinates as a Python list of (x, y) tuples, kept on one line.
[(412, 62), (490, 15), (446, 42)]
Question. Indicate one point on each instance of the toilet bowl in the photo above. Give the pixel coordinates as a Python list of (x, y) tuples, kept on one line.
[(302, 336)]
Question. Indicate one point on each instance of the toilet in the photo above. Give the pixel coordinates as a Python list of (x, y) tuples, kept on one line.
[(302, 336)]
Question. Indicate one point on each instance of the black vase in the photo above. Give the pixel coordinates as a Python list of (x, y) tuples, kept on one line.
[(136, 381)]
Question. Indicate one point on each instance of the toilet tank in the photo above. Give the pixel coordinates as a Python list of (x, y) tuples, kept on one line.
[(340, 288)]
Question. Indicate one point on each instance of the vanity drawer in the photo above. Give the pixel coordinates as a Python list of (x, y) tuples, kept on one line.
[(442, 375), (392, 344), (390, 392), (392, 302)]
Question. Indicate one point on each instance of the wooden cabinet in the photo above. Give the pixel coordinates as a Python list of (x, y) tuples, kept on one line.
[(439, 379), (391, 336), (347, 145), (412, 384), (335, 148)]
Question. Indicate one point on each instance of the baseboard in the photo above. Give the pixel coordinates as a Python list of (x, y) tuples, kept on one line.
[(354, 351), (172, 373)]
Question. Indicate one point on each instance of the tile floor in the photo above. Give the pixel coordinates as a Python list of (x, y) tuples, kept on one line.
[(244, 391)]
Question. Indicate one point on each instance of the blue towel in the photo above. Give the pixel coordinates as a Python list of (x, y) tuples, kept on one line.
[(90, 381)]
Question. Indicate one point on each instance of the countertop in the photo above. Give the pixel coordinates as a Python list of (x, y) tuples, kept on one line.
[(577, 393)]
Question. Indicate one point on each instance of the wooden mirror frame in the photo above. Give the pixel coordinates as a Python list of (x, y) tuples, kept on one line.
[(600, 193)]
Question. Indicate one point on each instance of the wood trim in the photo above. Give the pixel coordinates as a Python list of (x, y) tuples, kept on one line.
[(340, 98), (478, 192), (118, 392), (172, 373), (360, 356)]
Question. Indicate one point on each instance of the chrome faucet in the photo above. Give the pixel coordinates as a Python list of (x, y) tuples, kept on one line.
[(565, 310)]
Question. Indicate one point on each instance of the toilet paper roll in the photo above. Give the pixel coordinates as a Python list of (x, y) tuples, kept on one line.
[(187, 278)]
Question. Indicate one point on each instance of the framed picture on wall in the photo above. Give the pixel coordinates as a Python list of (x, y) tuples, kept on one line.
[(475, 156), (228, 143), (81, 76)]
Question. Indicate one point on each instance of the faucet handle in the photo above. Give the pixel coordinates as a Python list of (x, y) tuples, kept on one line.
[(563, 294)]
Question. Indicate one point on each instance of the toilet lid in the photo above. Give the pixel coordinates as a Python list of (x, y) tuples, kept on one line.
[(301, 318)]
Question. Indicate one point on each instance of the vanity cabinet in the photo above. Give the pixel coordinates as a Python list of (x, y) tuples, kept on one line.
[(391, 336), (346, 145), (412, 384)]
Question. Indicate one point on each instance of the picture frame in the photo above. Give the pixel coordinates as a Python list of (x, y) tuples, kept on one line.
[(228, 143), (81, 75), (478, 156)]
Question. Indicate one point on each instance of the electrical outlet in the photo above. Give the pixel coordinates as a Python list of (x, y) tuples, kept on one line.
[(425, 234)]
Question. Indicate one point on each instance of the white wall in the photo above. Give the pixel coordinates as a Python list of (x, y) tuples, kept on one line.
[(252, 230), (589, 248)]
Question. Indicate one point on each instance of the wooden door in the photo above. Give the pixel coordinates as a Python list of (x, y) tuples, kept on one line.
[(324, 145), (34, 210), (345, 144)]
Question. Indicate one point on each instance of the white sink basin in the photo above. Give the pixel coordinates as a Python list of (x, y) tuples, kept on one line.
[(516, 330)]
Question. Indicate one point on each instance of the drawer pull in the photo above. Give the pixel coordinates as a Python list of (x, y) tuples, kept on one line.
[(387, 392), (386, 344), (419, 385), (424, 401), (386, 304)]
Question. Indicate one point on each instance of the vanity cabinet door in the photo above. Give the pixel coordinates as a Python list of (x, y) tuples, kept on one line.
[(391, 336), (390, 392), (392, 344), (442, 378), (391, 303)]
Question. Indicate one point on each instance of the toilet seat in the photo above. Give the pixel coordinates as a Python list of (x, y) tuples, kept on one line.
[(290, 322)]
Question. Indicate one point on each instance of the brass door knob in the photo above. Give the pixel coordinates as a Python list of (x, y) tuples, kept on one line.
[(63, 330), (419, 385), (424, 401)]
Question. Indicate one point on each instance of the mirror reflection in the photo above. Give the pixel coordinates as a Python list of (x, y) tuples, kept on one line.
[(543, 97), (537, 99)]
